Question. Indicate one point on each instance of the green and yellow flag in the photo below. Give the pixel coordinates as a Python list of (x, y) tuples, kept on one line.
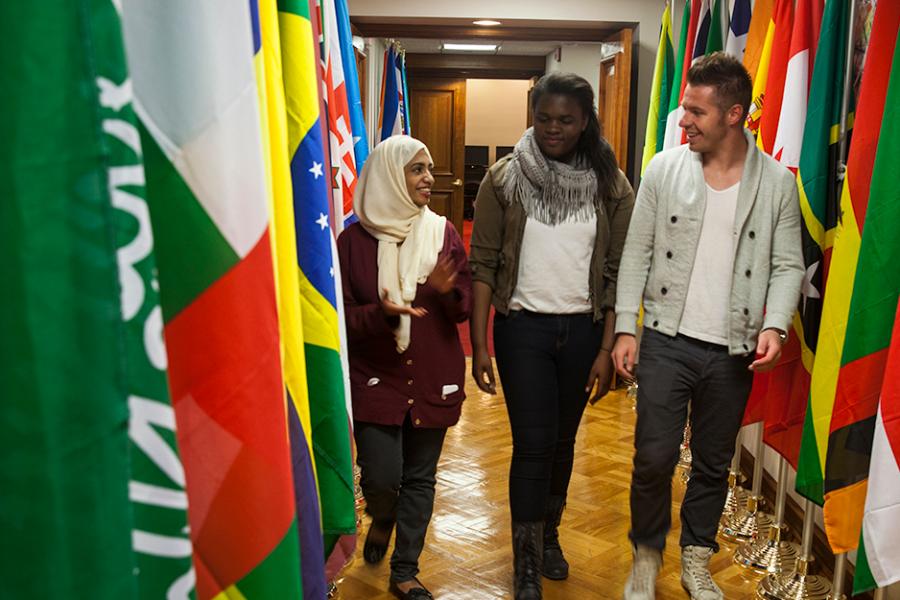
[(660, 92)]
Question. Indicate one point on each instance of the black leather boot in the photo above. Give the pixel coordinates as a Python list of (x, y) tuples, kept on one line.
[(555, 565), (527, 559)]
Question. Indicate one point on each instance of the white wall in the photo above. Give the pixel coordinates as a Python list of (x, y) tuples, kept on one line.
[(647, 13), (490, 123), (581, 59)]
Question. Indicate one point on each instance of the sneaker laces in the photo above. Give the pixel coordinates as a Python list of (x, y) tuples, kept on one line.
[(698, 567)]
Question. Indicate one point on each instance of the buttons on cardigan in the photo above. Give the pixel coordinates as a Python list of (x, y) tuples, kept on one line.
[(746, 348), (409, 362), (747, 273), (410, 401), (418, 422), (656, 323), (752, 235), (674, 219), (664, 291), (746, 312), (410, 382), (669, 254)]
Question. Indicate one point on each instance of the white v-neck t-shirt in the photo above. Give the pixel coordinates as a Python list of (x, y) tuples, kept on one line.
[(705, 315)]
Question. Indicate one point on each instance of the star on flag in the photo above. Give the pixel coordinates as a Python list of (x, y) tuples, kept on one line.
[(316, 169)]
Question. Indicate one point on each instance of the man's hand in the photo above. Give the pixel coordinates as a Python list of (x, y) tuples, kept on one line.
[(768, 351), (443, 276), (483, 371), (395, 310), (623, 354), (601, 375)]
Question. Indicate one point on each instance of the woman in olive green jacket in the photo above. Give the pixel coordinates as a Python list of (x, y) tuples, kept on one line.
[(550, 225)]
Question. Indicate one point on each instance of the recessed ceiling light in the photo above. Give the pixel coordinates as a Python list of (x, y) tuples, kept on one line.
[(470, 47), (486, 23)]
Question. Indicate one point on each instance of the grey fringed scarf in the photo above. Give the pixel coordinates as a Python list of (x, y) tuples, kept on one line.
[(551, 192)]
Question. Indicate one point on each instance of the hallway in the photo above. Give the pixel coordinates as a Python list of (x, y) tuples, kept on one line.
[(468, 554)]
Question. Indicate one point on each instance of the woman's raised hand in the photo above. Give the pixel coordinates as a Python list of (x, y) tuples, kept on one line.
[(395, 310), (443, 276)]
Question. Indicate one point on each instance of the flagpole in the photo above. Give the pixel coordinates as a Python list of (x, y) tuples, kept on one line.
[(750, 522), (737, 495), (798, 584), (848, 87), (771, 554)]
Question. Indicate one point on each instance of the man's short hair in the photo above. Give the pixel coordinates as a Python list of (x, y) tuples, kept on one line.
[(727, 76)]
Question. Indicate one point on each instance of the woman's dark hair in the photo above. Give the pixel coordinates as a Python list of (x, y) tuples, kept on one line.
[(591, 145)]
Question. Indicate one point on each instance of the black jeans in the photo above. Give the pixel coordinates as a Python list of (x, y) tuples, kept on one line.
[(398, 467), (543, 361), (673, 372)]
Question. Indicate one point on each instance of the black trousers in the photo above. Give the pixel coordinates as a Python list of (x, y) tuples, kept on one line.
[(673, 372), (543, 361), (398, 467)]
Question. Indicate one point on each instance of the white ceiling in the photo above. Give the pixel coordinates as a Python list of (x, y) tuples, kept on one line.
[(431, 46)]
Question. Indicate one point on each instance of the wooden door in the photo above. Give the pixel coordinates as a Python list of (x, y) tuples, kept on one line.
[(614, 95), (438, 118)]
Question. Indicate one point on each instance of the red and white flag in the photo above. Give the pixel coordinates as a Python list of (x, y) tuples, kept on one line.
[(804, 39)]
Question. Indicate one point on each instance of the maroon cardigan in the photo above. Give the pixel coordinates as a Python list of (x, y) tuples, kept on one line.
[(386, 385)]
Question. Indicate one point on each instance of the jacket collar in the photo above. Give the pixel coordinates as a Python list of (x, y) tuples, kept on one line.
[(750, 180)]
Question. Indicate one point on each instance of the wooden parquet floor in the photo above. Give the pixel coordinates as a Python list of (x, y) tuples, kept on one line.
[(468, 552)]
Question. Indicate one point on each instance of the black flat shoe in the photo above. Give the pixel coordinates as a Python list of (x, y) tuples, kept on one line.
[(377, 542), (417, 593)]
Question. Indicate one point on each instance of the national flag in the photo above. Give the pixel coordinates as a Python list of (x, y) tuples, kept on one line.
[(716, 41), (404, 98), (206, 189), (756, 35), (318, 281), (340, 127), (759, 69), (817, 181), (92, 502), (661, 91), (704, 24), (878, 560), (736, 41), (351, 82), (804, 39), (270, 76), (864, 301), (391, 120), (674, 133), (776, 71)]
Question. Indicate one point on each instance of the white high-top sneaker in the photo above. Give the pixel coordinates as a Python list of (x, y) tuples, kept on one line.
[(644, 569), (695, 577)]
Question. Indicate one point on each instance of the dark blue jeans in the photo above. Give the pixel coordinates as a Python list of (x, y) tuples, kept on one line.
[(543, 362), (673, 372)]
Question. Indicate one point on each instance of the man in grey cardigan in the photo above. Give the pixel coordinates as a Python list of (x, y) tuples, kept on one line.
[(713, 252)]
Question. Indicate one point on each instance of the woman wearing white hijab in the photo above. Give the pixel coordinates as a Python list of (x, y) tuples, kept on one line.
[(406, 286)]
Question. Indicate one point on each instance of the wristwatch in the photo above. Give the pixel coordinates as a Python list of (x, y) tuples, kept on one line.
[(781, 334)]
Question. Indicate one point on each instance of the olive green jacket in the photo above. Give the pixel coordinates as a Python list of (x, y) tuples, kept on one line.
[(500, 226)]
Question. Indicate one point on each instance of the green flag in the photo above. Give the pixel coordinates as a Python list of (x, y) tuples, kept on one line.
[(65, 519), (715, 42)]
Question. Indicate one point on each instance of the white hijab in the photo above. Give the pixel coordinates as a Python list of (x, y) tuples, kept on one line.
[(409, 237)]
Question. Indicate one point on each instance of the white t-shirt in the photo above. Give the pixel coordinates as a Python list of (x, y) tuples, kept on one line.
[(705, 315), (554, 267)]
